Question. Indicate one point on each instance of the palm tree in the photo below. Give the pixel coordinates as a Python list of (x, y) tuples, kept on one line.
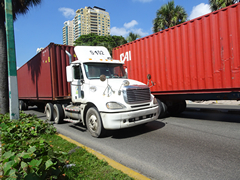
[(218, 4), (19, 7), (169, 15), (132, 37)]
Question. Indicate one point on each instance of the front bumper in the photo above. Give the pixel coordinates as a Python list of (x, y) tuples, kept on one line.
[(121, 120)]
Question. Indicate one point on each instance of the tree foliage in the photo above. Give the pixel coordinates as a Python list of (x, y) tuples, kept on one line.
[(132, 37), (218, 4), (95, 40), (169, 15), (18, 7)]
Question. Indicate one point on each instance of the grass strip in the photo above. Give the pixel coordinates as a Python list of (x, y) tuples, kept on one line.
[(111, 162), (83, 165)]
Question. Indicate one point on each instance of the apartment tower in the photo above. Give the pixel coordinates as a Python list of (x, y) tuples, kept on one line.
[(91, 20), (68, 37), (87, 20)]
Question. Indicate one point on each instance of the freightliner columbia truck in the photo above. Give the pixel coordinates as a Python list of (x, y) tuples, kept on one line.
[(84, 84)]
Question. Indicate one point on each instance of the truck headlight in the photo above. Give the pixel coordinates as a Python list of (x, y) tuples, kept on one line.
[(155, 101), (115, 105)]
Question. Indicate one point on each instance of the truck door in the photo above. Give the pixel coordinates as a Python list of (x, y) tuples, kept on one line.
[(77, 84)]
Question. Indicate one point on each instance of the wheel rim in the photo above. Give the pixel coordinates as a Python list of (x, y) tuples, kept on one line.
[(47, 113), (55, 116), (93, 123)]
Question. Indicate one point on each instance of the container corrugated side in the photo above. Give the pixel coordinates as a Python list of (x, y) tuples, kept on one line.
[(201, 54), (33, 77), (59, 61), (44, 76)]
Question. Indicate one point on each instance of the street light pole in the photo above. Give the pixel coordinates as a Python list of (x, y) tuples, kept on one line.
[(11, 56)]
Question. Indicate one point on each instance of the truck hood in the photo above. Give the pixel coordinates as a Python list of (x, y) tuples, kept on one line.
[(115, 84)]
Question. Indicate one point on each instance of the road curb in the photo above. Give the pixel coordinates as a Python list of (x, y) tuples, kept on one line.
[(111, 162)]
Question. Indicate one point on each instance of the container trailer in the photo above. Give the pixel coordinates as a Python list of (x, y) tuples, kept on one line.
[(196, 60), (84, 84)]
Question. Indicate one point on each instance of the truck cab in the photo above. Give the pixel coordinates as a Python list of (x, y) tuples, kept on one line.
[(102, 97)]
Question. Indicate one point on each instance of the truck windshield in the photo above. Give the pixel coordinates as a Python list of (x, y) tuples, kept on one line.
[(95, 70)]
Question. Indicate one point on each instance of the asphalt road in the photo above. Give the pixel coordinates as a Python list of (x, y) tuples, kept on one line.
[(202, 143)]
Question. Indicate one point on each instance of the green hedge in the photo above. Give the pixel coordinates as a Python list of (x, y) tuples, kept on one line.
[(25, 155)]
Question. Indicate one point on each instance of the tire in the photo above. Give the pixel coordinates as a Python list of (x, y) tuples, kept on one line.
[(25, 106), (58, 113), (21, 105), (163, 109), (94, 123), (49, 111), (183, 106), (177, 107)]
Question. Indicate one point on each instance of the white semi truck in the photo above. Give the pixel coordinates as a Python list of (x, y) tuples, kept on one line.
[(102, 97)]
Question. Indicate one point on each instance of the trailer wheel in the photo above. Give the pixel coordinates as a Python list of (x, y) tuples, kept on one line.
[(58, 113), (94, 122), (163, 109), (177, 107), (49, 111), (21, 105), (25, 106)]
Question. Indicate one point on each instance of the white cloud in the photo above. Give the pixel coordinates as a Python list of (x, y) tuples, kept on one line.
[(127, 28), (119, 31), (200, 10), (130, 24), (67, 12), (140, 32)]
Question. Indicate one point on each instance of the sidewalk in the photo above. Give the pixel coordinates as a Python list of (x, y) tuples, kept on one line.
[(217, 102), (211, 106)]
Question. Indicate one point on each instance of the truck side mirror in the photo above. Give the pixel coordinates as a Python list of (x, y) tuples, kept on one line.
[(69, 74), (82, 81), (149, 76)]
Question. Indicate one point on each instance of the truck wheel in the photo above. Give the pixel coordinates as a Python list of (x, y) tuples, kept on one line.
[(94, 122), (49, 111), (21, 105), (163, 109), (58, 114)]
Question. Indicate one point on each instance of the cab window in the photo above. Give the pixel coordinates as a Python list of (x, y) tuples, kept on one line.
[(95, 70)]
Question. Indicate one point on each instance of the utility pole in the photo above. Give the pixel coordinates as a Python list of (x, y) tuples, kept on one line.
[(11, 56)]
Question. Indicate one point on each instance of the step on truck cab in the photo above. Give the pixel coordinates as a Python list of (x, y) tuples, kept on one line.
[(102, 97)]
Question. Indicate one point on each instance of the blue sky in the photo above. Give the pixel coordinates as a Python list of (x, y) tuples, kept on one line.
[(43, 24)]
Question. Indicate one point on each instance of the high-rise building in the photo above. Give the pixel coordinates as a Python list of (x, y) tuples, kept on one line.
[(91, 20), (68, 37), (87, 20)]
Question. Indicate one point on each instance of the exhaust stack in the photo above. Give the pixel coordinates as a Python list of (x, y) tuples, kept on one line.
[(70, 56)]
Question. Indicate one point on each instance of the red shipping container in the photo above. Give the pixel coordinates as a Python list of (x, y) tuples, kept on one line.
[(198, 56), (44, 76)]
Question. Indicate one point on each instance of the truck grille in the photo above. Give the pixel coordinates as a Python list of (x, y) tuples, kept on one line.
[(137, 94)]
